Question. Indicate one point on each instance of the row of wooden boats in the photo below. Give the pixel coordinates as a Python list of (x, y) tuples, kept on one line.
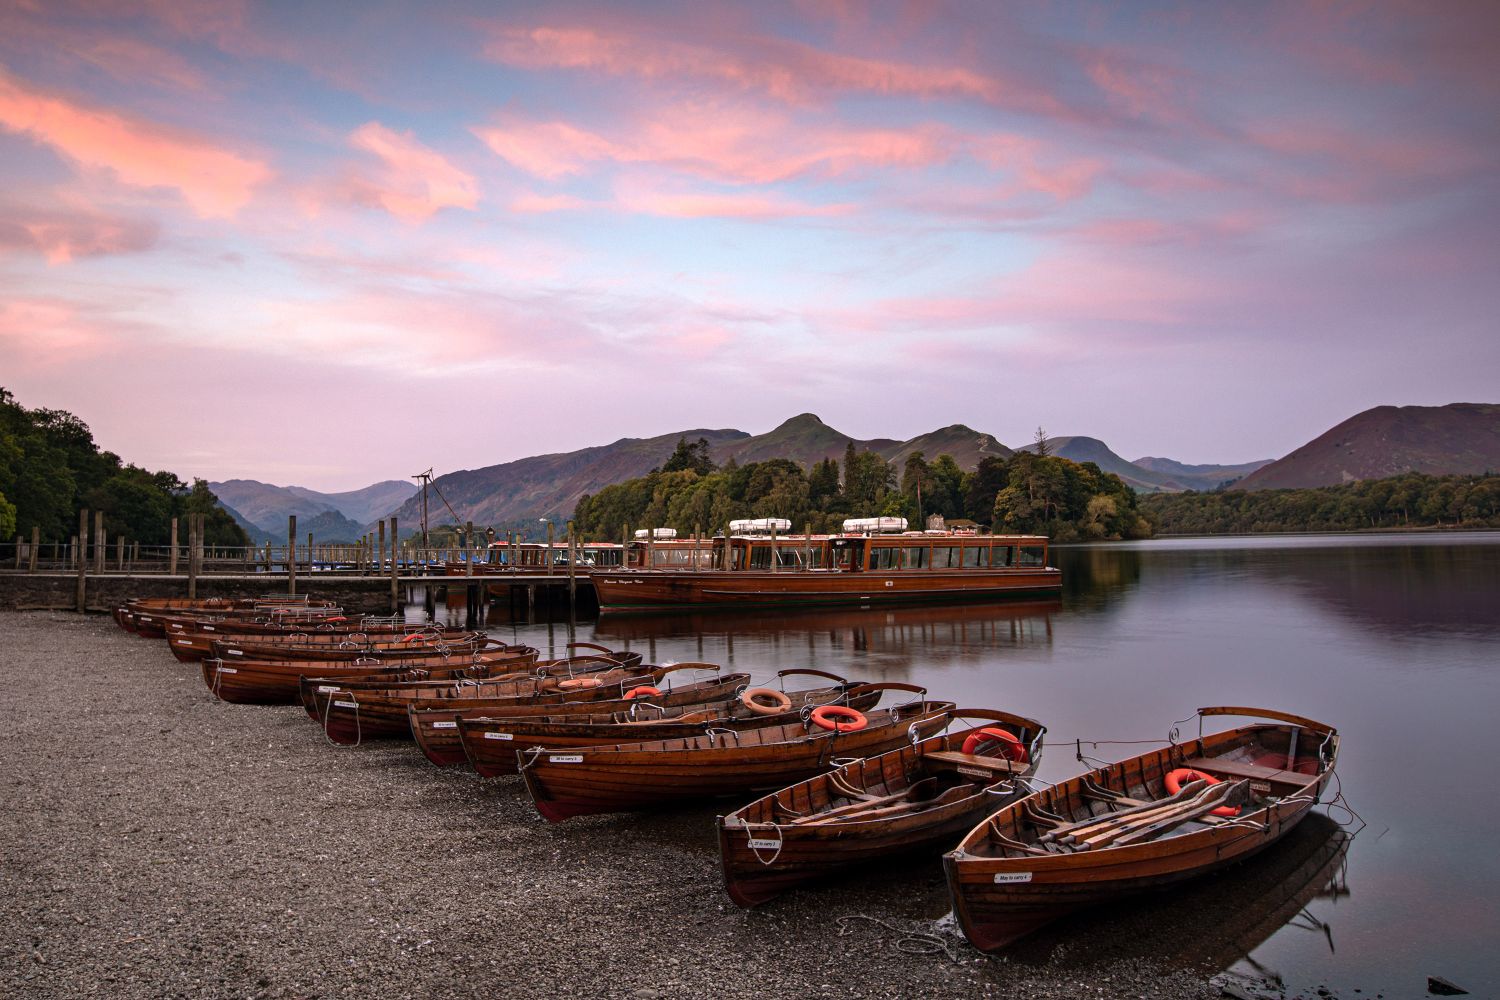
[(843, 780)]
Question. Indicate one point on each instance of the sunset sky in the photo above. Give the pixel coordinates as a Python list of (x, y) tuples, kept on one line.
[(327, 244)]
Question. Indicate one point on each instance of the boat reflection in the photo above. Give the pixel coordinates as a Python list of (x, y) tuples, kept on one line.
[(1214, 923), (892, 630)]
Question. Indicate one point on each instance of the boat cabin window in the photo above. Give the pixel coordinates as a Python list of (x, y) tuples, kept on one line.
[(1033, 555), (972, 554), (884, 557), (1002, 556), (799, 556), (848, 554), (946, 556), (914, 557)]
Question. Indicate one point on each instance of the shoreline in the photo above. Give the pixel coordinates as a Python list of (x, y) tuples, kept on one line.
[(162, 843)]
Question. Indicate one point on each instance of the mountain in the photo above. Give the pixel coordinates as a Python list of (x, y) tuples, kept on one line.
[(550, 485), (1200, 477), (1087, 449), (258, 535), (267, 506), (366, 505), (1460, 438)]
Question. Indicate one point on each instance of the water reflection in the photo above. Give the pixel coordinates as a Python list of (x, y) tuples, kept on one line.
[(1217, 922)]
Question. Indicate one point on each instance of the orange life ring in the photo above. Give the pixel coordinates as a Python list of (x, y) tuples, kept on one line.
[(409, 638), (780, 702), (1011, 748), (827, 716), (1186, 775), (579, 683), (645, 690)]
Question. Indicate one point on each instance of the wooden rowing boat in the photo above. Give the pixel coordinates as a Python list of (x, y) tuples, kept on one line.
[(278, 682), (1122, 829), (634, 776), (151, 621), (191, 647), (125, 614), (490, 742), (918, 797), (434, 723), (351, 714)]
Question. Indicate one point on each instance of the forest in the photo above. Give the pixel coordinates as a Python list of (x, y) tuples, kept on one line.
[(50, 468), (1411, 500), (1025, 493)]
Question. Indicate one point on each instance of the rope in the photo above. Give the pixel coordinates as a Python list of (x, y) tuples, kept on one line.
[(908, 942), (1340, 802), (751, 838)]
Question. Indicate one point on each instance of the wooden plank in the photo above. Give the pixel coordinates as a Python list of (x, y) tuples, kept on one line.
[(1237, 769), (961, 759)]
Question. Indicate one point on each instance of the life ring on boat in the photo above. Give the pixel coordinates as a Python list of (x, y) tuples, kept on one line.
[(645, 690), (1187, 775), (579, 683), (409, 638), (827, 716), (1011, 748), (779, 702)]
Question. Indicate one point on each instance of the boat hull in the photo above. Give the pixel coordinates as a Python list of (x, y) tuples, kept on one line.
[(645, 590)]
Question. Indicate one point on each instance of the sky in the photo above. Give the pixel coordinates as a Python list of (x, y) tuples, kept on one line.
[(328, 244)]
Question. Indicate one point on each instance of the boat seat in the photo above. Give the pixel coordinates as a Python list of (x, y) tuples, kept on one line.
[(1235, 769), (957, 758)]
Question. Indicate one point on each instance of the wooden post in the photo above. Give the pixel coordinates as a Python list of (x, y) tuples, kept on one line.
[(18, 552), (807, 545), (650, 548), (395, 584), (192, 556), (774, 558), (83, 543), (572, 567), (291, 553), (98, 541), (36, 540), (268, 557), (728, 549), (469, 549), (312, 561), (380, 559), (625, 545), (135, 555), (172, 556), (549, 549), (120, 552)]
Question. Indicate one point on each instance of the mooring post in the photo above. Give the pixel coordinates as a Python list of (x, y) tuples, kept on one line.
[(380, 560), (120, 552), (728, 549), (36, 540), (572, 568), (469, 548), (291, 553), (312, 560), (99, 541), (625, 545), (549, 548), (268, 556), (135, 555), (192, 556), (395, 572), (83, 542)]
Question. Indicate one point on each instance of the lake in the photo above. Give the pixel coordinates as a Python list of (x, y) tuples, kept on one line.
[(1393, 639)]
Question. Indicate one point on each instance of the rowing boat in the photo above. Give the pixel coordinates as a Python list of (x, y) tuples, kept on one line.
[(491, 742), (634, 776), (918, 797), (1139, 824), (278, 682)]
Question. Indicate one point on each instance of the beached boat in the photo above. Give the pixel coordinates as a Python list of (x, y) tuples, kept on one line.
[(278, 682), (228, 644), (918, 797), (433, 723), (635, 776), (352, 713), (873, 561), (1140, 824), (490, 742), (124, 614), (150, 617)]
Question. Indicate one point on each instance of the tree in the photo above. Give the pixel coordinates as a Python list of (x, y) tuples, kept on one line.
[(690, 457), (823, 482), (1042, 446), (915, 478)]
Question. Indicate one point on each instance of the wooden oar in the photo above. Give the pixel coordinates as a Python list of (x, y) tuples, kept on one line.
[(1152, 823), (870, 813), (1238, 794), (1070, 830), (871, 802)]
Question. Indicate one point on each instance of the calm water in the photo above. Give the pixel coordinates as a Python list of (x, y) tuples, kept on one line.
[(1395, 640)]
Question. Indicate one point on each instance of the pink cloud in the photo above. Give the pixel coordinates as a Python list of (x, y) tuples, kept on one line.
[(530, 202), (215, 182), (48, 334), (789, 71), (64, 235), (413, 182), (645, 199)]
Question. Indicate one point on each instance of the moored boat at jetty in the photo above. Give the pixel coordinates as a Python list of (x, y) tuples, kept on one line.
[(490, 742), (636, 776), (1139, 824), (874, 560), (919, 797)]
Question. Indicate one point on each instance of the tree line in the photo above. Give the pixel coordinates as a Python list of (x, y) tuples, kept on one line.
[(50, 468), (1025, 493), (1407, 501)]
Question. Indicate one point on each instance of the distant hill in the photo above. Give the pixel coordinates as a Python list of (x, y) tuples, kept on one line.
[(1460, 438), (550, 485), (1087, 449), (267, 506), (1200, 477)]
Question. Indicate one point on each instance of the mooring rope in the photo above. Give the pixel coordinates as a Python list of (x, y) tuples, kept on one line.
[(908, 942)]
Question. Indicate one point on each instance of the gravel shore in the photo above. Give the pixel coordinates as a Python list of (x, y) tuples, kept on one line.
[(159, 843)]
